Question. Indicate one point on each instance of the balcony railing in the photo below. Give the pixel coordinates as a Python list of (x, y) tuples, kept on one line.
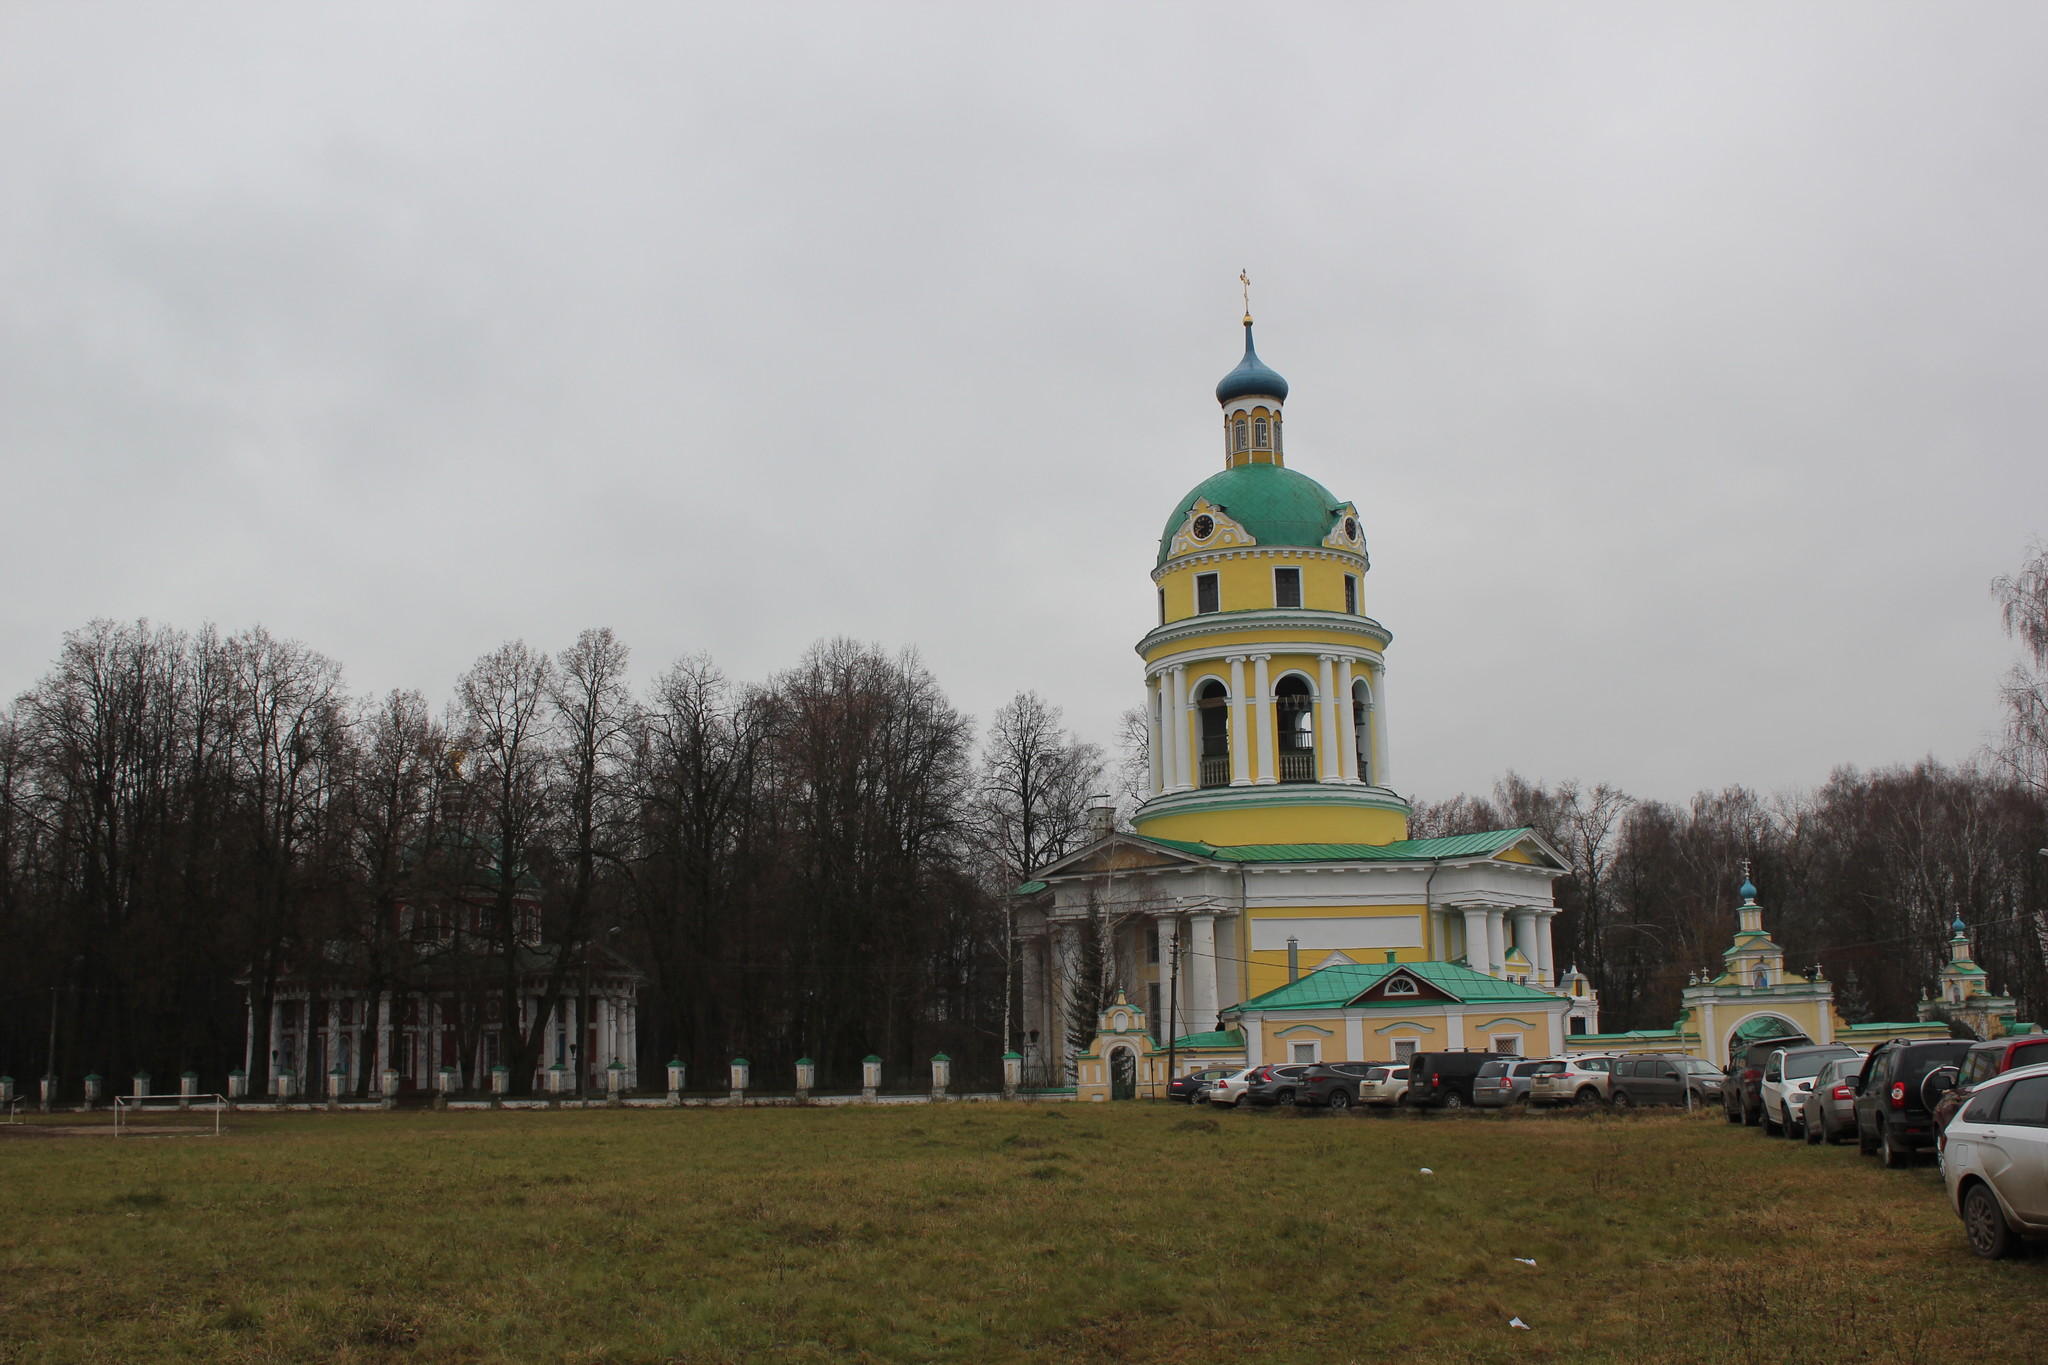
[(1216, 772), (1298, 765)]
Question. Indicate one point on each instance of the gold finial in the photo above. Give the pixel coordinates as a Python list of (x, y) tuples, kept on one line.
[(1245, 276)]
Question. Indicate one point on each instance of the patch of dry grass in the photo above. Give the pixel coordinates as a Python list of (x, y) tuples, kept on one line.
[(1130, 1232)]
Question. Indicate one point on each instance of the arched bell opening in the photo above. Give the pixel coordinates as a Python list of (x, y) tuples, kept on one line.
[(1212, 704), (1294, 702), (1361, 728)]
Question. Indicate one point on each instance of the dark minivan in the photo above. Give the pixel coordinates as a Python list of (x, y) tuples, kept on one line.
[(1893, 1114), (1443, 1080)]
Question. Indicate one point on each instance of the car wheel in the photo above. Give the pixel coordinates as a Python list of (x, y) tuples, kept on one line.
[(1866, 1145), (1284, 1097), (1829, 1134), (1984, 1224), (1751, 1117), (1733, 1116), (1586, 1098), (1813, 1131), (1792, 1129), (1621, 1100), (1453, 1101), (1896, 1158), (1340, 1099), (1770, 1125)]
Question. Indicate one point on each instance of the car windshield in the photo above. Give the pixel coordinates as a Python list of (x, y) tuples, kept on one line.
[(1804, 1064)]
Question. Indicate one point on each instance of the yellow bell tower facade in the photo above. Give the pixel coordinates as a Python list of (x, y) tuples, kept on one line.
[(1266, 681)]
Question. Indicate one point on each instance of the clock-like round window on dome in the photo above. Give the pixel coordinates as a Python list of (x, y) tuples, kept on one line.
[(1351, 528), (1205, 526)]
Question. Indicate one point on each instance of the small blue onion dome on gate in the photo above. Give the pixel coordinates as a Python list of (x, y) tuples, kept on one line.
[(1746, 891), (1958, 928), (1252, 375)]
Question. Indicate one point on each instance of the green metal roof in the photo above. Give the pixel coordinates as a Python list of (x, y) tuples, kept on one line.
[(1480, 845), (1277, 505), (1335, 987), (1221, 1038), (1029, 889)]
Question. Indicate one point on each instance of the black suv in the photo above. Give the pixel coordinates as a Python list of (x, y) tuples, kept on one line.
[(1443, 1080), (1742, 1093), (1333, 1084), (1892, 1115)]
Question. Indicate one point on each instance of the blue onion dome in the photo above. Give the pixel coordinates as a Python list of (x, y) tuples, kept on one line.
[(1746, 891), (1958, 928), (1252, 375)]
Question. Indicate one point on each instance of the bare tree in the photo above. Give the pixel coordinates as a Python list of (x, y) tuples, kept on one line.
[(2023, 606)]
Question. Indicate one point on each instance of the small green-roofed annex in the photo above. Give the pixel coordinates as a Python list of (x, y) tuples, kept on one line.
[(1337, 986)]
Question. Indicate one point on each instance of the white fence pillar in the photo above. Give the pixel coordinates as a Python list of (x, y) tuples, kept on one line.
[(806, 1077), (740, 1072), (942, 1074), (676, 1072), (1013, 1074), (615, 1083), (870, 1077)]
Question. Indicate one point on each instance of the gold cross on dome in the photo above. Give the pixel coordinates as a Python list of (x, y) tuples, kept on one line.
[(1245, 276)]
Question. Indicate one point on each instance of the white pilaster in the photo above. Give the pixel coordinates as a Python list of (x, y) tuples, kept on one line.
[(1354, 1039), (1183, 748), (1268, 771), (1200, 968), (1328, 741), (1382, 766), (1454, 1027), (1152, 728), (1496, 946), (1240, 746), (1347, 723)]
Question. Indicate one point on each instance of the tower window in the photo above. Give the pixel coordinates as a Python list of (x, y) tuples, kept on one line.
[(1212, 704), (1276, 436), (1286, 587), (1162, 606), (1237, 434), (1296, 707), (1260, 440), (1206, 595), (1351, 593), (1361, 726)]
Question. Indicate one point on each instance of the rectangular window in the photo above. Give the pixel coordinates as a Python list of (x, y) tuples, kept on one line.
[(1162, 606), (1351, 593), (1404, 1048), (1206, 594), (1304, 1052), (1152, 1007), (1510, 1043), (1286, 587), (1577, 1026)]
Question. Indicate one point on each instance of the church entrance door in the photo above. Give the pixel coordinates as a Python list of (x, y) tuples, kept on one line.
[(1123, 1075)]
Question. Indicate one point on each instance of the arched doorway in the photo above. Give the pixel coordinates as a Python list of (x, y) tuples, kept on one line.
[(1123, 1074), (1759, 1027)]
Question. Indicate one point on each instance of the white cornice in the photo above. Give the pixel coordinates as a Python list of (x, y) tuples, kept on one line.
[(1359, 557), (1275, 618)]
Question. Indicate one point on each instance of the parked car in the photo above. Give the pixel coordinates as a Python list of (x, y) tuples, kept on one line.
[(1742, 1089), (1582, 1080), (1994, 1160), (1829, 1112), (1788, 1075), (1384, 1085), (1229, 1089), (1894, 1104), (1189, 1088), (1663, 1078), (1443, 1080), (1270, 1085), (1503, 1083), (1333, 1085), (1981, 1063)]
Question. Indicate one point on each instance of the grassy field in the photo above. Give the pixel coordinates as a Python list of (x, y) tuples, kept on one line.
[(1133, 1232)]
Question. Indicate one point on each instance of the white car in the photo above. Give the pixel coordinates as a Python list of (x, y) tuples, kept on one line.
[(1383, 1085), (1994, 1159), (1788, 1076), (1583, 1080), (1229, 1090)]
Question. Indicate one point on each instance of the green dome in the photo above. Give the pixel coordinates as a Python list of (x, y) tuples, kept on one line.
[(1277, 505)]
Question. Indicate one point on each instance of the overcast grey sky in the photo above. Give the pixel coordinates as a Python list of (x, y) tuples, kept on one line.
[(1686, 362)]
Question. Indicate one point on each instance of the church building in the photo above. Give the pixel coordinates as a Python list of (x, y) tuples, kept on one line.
[(1269, 904)]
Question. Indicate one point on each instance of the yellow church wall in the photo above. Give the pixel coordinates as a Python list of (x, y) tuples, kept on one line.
[(1257, 640), (1514, 855), (1289, 824), (1245, 583)]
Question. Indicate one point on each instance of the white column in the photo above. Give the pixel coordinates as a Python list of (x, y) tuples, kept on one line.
[(1496, 948), (1347, 724), (1546, 964), (330, 1055), (1475, 940), (1065, 968), (1153, 727), (1183, 764), (1240, 755), (384, 1060), (1525, 937), (276, 1059), (1201, 972), (632, 1043), (1327, 741), (1268, 771), (1382, 766)]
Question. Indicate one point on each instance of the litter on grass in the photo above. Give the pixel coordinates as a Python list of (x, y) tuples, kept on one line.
[(1517, 1322), (1523, 1260), (1427, 1171)]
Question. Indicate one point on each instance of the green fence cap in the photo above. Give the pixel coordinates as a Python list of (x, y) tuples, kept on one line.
[(940, 1057), (805, 1061), (741, 1061)]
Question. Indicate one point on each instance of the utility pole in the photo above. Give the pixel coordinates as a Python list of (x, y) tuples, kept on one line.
[(1173, 1004)]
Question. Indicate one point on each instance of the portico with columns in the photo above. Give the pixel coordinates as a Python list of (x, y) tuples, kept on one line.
[(1273, 843)]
